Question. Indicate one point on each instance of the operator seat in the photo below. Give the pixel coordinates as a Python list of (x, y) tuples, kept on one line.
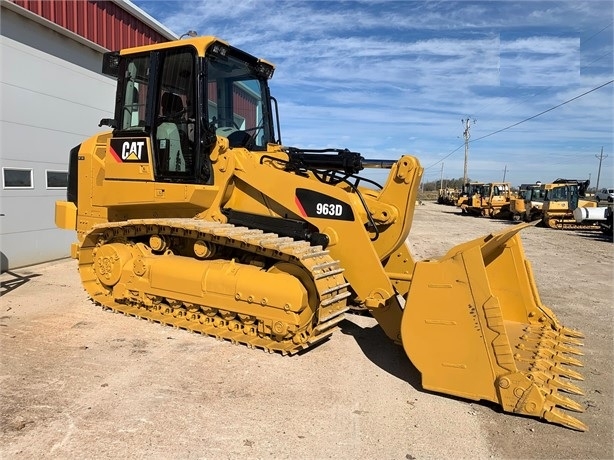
[(168, 136)]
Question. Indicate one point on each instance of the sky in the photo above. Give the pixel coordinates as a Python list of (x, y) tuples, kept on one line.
[(532, 79)]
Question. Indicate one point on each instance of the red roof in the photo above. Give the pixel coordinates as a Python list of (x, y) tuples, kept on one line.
[(102, 22)]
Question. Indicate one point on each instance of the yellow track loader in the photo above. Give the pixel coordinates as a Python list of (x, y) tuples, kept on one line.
[(534, 202), (191, 212), (470, 196), (561, 198), (448, 196), (526, 205), (517, 209), (492, 200)]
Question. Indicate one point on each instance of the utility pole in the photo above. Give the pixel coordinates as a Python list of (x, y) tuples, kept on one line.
[(600, 157), (466, 135), (504, 172), (441, 180)]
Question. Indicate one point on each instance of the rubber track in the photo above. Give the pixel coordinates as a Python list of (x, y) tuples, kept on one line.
[(331, 285)]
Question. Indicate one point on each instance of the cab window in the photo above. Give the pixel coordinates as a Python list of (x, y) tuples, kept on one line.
[(175, 117), (134, 94)]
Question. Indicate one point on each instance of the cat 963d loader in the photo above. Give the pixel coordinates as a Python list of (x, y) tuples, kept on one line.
[(191, 212)]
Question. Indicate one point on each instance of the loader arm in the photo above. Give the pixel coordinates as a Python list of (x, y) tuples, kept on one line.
[(257, 190), (400, 192), (351, 240)]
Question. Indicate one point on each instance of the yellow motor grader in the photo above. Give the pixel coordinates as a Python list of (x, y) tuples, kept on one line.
[(190, 211)]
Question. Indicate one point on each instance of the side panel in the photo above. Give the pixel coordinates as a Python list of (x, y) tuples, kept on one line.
[(116, 183), (129, 158)]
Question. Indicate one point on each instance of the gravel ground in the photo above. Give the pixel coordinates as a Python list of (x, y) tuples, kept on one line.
[(78, 382)]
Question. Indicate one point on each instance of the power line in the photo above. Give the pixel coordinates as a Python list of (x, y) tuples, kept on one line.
[(545, 111), (447, 156), (522, 121), (597, 33)]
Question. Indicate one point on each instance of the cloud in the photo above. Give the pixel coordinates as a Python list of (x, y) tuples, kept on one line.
[(385, 77)]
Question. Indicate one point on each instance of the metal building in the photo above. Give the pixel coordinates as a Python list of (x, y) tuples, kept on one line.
[(53, 96)]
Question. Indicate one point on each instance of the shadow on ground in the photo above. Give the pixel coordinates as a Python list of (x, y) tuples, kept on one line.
[(391, 358), (595, 235), (384, 353), (16, 280)]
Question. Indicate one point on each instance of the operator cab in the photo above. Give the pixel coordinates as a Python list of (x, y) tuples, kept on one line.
[(182, 99), (565, 190), (567, 193)]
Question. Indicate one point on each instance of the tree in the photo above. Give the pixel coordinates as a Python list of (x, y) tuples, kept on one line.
[(447, 183)]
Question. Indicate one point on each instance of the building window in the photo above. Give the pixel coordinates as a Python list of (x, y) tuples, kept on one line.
[(17, 178), (57, 179)]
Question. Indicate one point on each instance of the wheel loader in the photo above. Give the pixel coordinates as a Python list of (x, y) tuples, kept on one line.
[(190, 211)]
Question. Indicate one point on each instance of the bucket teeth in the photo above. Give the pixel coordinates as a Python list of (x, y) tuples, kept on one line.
[(552, 339), (561, 336), (559, 358), (568, 340), (570, 350), (571, 332), (556, 416), (544, 354), (550, 344), (568, 387), (565, 402), (560, 370), (568, 360), (556, 383), (556, 369)]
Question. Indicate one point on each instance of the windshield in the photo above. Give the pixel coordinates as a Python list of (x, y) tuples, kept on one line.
[(537, 194), (564, 193), (237, 102)]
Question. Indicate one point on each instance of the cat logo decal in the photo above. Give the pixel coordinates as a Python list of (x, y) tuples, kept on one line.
[(129, 150)]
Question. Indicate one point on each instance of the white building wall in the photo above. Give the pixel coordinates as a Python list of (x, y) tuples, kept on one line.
[(53, 97)]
